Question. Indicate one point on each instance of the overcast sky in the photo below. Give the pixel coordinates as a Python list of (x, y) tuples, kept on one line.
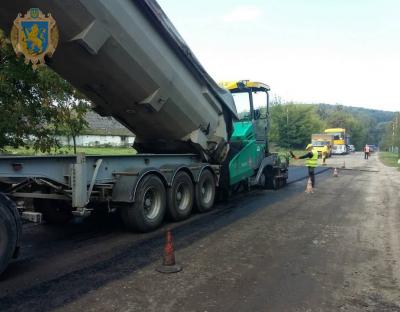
[(328, 51)]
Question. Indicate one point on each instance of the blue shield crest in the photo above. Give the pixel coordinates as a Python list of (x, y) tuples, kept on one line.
[(34, 36)]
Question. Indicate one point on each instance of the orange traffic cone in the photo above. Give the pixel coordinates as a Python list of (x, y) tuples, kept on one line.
[(335, 172), (309, 188), (169, 265)]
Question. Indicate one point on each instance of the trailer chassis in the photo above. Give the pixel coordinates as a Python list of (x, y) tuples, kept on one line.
[(82, 179)]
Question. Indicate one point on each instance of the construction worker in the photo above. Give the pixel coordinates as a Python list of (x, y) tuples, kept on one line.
[(324, 154), (366, 151), (311, 162)]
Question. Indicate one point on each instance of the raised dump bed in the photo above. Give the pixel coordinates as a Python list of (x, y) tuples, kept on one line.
[(127, 58)]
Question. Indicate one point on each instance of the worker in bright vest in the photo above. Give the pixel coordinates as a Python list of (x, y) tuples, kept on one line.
[(311, 162), (324, 154)]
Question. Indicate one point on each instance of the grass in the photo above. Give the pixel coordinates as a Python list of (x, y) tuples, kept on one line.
[(70, 151), (389, 159)]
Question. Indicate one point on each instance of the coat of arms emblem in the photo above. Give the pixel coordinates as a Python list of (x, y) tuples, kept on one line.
[(34, 35)]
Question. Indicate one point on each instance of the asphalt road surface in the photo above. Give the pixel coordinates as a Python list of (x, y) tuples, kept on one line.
[(337, 249), (297, 173)]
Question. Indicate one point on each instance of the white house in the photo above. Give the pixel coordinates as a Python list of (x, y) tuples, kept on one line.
[(101, 131), (98, 140)]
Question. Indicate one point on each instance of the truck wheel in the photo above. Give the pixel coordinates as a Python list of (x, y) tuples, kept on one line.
[(263, 180), (273, 183), (270, 181), (267, 177), (8, 233), (148, 210), (180, 197), (53, 211), (205, 191)]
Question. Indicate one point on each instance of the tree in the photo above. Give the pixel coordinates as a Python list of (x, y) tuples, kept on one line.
[(33, 103), (356, 127), (364, 125), (73, 119), (293, 124)]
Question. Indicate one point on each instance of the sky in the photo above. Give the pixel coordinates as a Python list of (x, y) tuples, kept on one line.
[(313, 51)]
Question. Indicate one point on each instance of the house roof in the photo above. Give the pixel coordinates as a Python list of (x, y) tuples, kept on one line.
[(104, 125)]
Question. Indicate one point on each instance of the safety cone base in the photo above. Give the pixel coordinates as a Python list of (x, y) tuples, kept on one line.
[(309, 188), (169, 268)]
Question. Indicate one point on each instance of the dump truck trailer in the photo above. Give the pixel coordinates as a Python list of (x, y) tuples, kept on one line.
[(129, 60)]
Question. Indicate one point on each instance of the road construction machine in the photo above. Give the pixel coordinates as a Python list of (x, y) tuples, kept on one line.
[(132, 64)]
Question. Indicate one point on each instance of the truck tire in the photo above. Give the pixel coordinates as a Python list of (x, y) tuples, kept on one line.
[(268, 175), (9, 232), (264, 180), (269, 179), (148, 210), (180, 197), (273, 183), (205, 191), (53, 211)]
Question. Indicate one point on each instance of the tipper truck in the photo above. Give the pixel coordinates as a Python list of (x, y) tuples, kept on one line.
[(320, 141), (340, 140), (129, 60)]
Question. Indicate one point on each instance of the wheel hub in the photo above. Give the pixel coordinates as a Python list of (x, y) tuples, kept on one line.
[(206, 191), (182, 197), (151, 203), (148, 202)]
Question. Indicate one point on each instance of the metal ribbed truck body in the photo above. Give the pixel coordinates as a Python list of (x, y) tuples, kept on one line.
[(129, 60)]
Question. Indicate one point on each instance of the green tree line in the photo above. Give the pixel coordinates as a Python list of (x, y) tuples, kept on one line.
[(292, 124)]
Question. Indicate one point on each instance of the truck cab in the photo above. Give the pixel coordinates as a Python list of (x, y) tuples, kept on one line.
[(250, 160), (340, 140), (322, 142)]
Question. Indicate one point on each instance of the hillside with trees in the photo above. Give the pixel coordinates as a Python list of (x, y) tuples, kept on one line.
[(293, 123)]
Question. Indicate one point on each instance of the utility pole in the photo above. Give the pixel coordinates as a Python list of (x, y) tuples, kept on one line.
[(287, 125), (393, 142), (397, 133)]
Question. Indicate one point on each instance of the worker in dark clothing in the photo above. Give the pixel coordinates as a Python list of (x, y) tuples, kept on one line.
[(311, 162)]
